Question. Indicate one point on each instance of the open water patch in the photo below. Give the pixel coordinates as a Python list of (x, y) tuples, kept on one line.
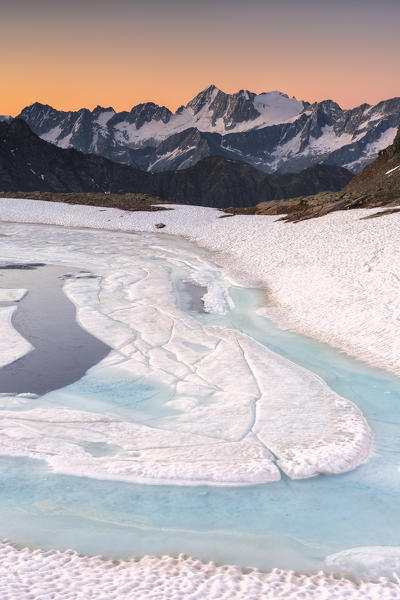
[(190, 295), (46, 318)]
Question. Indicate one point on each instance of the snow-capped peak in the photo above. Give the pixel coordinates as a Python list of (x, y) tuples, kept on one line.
[(276, 107)]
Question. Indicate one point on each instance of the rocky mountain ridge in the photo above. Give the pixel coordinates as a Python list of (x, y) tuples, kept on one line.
[(270, 131), (381, 177), (377, 186), (28, 163)]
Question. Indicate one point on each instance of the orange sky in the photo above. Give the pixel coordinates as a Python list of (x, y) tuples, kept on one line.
[(83, 53)]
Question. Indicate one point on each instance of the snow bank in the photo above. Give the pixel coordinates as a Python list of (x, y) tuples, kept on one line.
[(26, 575), (335, 278)]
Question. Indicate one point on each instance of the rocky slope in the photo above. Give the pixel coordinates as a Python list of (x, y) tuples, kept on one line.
[(28, 163), (377, 186), (270, 131), (381, 176)]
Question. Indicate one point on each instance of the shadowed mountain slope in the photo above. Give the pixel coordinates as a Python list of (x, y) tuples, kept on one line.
[(381, 176), (377, 186), (28, 163)]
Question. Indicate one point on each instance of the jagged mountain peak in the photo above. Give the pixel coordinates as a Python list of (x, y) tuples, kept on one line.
[(210, 89), (148, 112), (16, 127), (326, 106), (37, 105), (38, 109), (144, 105), (204, 97), (270, 130), (101, 109)]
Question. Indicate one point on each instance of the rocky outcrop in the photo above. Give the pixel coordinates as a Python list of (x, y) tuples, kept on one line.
[(231, 108), (377, 186)]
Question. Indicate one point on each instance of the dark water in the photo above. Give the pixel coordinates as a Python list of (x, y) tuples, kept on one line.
[(191, 295), (63, 351)]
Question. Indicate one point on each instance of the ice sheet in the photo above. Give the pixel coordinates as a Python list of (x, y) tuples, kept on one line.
[(12, 344), (221, 409), (13, 295)]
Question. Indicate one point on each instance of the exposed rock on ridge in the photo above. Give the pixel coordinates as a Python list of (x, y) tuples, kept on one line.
[(383, 175), (270, 131), (377, 186)]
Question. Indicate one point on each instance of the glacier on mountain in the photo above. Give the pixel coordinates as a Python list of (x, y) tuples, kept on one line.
[(269, 130)]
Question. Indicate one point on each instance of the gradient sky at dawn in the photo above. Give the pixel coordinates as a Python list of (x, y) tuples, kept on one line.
[(75, 53)]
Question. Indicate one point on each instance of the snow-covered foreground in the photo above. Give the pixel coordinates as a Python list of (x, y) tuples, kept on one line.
[(289, 419), (35, 575), (334, 278), (220, 408)]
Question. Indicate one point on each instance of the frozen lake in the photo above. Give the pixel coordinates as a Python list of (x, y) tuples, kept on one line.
[(195, 378)]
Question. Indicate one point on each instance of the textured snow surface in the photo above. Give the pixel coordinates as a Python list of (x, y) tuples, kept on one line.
[(335, 278), (27, 575), (276, 108), (221, 401)]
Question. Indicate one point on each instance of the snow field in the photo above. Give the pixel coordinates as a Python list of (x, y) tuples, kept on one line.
[(334, 278), (27, 575)]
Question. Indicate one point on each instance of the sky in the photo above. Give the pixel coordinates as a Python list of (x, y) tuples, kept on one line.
[(81, 53)]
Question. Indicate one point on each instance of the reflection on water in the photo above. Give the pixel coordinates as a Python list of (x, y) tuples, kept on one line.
[(63, 351)]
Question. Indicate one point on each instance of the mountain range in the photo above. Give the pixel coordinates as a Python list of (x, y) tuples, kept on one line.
[(270, 131), (28, 163)]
